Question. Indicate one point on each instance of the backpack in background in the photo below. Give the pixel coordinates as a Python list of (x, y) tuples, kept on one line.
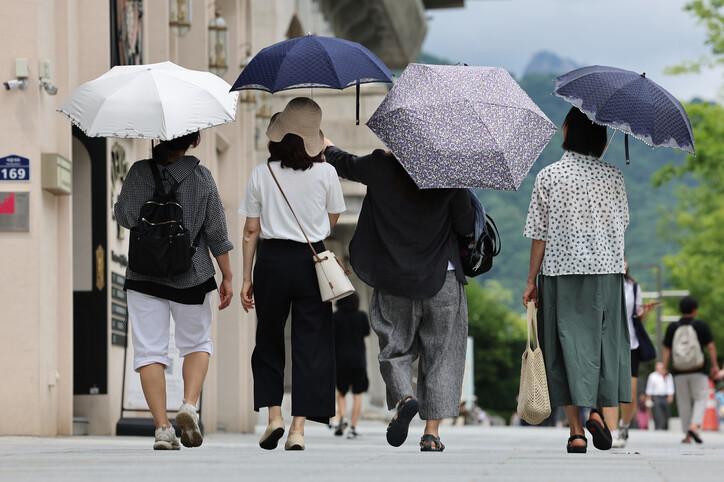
[(685, 349), (160, 245), (479, 247)]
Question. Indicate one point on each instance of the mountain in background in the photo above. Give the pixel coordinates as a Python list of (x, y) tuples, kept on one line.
[(549, 63)]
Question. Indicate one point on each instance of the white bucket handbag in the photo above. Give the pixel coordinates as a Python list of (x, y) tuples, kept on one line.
[(332, 276)]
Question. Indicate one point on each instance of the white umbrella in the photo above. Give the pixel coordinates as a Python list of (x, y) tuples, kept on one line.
[(156, 101)]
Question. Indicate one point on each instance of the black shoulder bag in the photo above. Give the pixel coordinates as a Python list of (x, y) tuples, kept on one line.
[(647, 350)]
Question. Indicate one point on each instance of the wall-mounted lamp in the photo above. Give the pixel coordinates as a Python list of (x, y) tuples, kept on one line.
[(22, 72), (246, 97), (44, 72), (179, 13), (218, 45)]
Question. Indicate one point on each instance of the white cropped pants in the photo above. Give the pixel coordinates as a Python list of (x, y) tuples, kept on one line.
[(150, 319)]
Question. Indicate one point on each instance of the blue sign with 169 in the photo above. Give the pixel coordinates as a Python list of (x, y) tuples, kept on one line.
[(14, 168)]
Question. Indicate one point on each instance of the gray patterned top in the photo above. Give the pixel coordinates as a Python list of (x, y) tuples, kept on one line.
[(579, 208), (202, 209)]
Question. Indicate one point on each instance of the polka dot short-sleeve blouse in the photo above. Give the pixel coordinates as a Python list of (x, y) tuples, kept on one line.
[(579, 208)]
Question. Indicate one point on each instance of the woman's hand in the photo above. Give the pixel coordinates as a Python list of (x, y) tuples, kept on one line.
[(531, 293), (247, 296), (225, 293)]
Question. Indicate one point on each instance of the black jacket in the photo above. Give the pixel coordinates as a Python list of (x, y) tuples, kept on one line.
[(403, 242)]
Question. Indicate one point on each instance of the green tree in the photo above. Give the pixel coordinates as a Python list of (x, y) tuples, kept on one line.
[(499, 340), (697, 223)]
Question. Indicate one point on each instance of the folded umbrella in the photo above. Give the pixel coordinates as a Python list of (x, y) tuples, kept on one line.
[(629, 102), (156, 101), (455, 126), (312, 61)]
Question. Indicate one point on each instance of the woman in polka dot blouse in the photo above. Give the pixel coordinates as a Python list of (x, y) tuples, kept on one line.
[(576, 220)]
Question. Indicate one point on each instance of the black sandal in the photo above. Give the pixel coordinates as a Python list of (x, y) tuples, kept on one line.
[(426, 444), (577, 449), (602, 439), (397, 429)]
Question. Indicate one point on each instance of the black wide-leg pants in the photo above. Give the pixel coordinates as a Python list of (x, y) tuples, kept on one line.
[(284, 277)]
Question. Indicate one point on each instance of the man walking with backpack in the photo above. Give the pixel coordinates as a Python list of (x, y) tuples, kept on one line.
[(683, 344)]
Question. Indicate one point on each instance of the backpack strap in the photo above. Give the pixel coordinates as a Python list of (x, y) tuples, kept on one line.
[(158, 190), (636, 289)]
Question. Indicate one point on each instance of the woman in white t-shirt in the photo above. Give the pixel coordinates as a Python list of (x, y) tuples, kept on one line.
[(284, 275)]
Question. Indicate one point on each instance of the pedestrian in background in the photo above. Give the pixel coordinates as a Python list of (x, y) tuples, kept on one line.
[(405, 246), (577, 217), (691, 384), (350, 330), (284, 275), (660, 395), (186, 297), (634, 306)]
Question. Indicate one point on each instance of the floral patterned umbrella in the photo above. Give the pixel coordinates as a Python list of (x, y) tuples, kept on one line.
[(455, 126)]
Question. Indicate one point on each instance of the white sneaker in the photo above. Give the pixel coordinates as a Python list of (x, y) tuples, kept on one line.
[(188, 421), (166, 439), (619, 438)]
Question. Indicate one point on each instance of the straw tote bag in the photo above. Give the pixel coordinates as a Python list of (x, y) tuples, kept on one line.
[(534, 406), (332, 276)]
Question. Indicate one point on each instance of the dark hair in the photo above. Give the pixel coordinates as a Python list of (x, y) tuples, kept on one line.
[(582, 135), (687, 305), (626, 275), (290, 151), (349, 303), (162, 149)]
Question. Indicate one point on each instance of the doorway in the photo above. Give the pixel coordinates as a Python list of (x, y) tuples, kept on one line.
[(90, 295)]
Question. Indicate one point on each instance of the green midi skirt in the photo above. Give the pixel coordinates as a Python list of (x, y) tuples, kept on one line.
[(585, 340)]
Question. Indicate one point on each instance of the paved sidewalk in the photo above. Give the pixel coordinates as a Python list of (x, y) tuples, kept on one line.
[(472, 453)]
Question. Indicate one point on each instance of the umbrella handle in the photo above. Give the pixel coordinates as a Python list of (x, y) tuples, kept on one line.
[(608, 143), (357, 104), (625, 143)]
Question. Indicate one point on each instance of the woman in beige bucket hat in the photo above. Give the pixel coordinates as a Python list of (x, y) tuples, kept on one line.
[(284, 275)]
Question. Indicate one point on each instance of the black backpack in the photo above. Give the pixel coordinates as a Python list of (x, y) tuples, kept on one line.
[(160, 245), (477, 254)]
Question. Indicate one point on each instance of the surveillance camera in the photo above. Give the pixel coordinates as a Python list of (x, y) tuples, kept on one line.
[(49, 87), (16, 84)]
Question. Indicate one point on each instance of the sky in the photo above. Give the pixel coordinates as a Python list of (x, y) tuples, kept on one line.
[(639, 35)]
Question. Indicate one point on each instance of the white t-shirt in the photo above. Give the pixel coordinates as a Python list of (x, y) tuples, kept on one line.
[(631, 308), (312, 193)]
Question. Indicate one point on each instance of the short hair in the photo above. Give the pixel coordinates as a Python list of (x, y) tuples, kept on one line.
[(162, 149), (290, 151), (687, 305), (582, 135), (349, 303)]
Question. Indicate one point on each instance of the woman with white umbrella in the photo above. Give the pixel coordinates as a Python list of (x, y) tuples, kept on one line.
[(187, 296)]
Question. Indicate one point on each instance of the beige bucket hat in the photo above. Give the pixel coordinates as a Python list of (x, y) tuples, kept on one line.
[(302, 116)]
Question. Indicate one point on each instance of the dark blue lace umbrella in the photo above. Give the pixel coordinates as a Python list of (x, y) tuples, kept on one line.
[(311, 61), (629, 102)]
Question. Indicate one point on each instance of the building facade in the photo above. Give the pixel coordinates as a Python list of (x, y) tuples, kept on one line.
[(63, 256)]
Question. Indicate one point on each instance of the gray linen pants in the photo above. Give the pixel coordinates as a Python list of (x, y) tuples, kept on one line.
[(435, 330), (691, 392)]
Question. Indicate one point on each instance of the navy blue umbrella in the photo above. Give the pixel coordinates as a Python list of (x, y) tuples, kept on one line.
[(312, 61), (629, 102)]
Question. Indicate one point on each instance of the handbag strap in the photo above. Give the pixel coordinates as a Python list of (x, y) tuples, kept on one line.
[(532, 324), (316, 256)]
